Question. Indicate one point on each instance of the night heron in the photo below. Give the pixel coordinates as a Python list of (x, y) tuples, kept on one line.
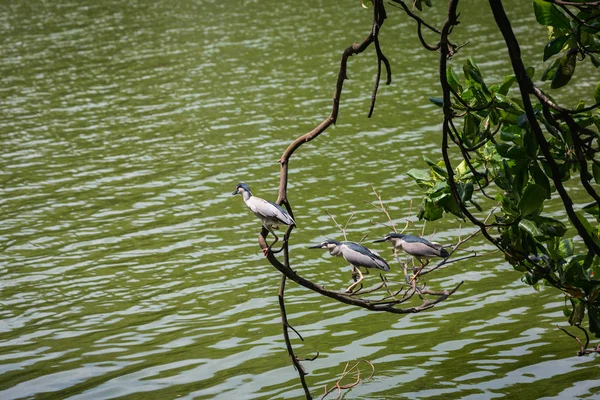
[(271, 214), (415, 246), (356, 254)]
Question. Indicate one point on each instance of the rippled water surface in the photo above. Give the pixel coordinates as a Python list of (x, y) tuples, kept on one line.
[(129, 270)]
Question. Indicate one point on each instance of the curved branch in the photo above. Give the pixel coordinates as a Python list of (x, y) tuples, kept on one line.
[(546, 100), (420, 24), (301, 371), (380, 58), (351, 300), (356, 48)]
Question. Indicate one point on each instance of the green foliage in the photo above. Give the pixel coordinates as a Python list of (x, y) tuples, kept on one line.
[(547, 14), (569, 37), (419, 4), (507, 170), (506, 167)]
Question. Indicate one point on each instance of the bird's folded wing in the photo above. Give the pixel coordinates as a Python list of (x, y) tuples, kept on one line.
[(360, 255), (271, 210)]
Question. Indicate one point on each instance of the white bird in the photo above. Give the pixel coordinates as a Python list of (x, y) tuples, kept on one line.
[(271, 214), (357, 255), (418, 247)]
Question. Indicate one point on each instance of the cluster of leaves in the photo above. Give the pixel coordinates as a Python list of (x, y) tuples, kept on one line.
[(503, 164), (575, 37)]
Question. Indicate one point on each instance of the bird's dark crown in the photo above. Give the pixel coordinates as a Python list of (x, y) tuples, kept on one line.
[(243, 186), (395, 235), (331, 241)]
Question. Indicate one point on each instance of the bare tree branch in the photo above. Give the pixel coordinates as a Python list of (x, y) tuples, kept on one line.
[(356, 48), (301, 371)]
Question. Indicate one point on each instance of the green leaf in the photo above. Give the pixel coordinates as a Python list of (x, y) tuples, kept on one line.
[(574, 272), (578, 313), (594, 317), (596, 172), (548, 15), (484, 126), (502, 101), (530, 71), (520, 173), (437, 101), (532, 199), (595, 60), (549, 226), (540, 178), (474, 77), (514, 152), (565, 248), (586, 36), (470, 128), (530, 227), (422, 177), (530, 279), (597, 93), (589, 228), (461, 169), (453, 80), (436, 168), (465, 191), (564, 71), (554, 46), (511, 133), (592, 209), (551, 70), (429, 210), (506, 84), (450, 205)]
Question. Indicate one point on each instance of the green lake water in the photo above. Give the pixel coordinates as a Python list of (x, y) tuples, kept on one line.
[(129, 271)]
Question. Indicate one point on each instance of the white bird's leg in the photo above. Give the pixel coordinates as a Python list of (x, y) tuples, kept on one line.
[(266, 251), (417, 271), (286, 235), (274, 241), (360, 279)]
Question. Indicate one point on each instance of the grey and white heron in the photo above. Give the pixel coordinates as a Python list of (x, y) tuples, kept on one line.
[(271, 214), (356, 254), (418, 247)]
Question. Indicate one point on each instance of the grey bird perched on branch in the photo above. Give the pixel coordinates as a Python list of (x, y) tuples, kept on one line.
[(271, 214), (356, 254), (415, 246)]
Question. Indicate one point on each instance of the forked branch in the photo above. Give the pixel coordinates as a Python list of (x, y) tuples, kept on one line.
[(379, 16)]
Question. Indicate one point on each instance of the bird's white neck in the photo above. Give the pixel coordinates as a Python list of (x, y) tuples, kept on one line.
[(335, 251), (246, 195), (397, 243)]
